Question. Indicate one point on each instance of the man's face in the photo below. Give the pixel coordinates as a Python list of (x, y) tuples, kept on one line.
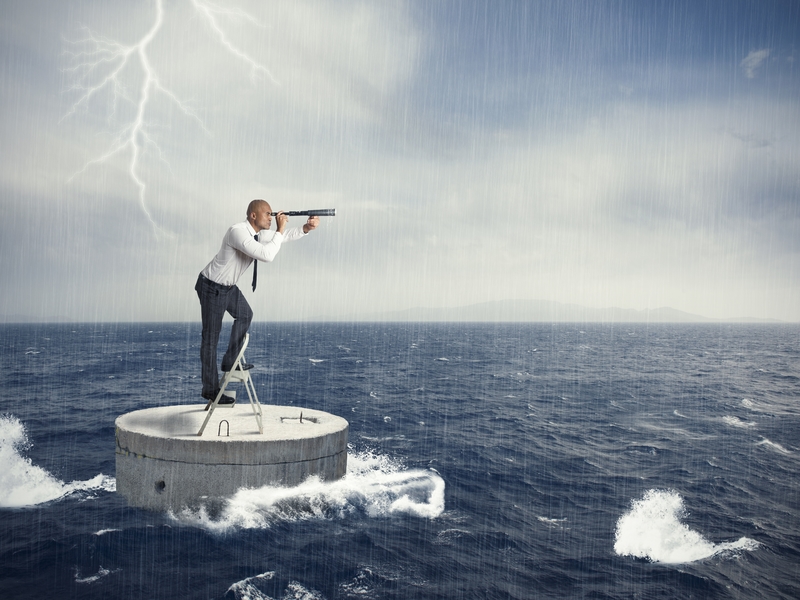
[(263, 218)]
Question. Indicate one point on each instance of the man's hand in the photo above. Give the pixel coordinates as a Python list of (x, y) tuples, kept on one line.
[(281, 220), (310, 224)]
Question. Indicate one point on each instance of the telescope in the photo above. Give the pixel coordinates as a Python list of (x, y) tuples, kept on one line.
[(316, 212)]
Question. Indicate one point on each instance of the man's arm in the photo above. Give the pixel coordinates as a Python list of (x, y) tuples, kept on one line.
[(264, 250), (269, 241), (293, 233)]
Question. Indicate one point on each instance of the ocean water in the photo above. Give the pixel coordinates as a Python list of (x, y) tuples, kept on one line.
[(485, 461)]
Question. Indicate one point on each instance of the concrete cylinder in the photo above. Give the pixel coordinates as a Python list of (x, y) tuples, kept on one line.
[(163, 464)]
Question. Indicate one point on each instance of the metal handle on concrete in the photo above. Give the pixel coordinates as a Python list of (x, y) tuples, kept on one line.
[(219, 429)]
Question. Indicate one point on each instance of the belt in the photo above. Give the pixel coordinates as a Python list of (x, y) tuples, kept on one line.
[(214, 284)]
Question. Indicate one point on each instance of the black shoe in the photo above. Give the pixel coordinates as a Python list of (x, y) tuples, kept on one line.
[(245, 367), (225, 399)]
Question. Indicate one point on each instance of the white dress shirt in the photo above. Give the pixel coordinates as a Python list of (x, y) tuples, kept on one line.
[(239, 249)]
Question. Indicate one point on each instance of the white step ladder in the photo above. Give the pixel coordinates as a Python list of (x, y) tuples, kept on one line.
[(237, 373)]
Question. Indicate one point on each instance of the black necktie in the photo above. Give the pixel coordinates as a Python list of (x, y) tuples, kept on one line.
[(255, 268)]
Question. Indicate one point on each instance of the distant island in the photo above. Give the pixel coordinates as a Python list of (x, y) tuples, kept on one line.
[(545, 311), (498, 311)]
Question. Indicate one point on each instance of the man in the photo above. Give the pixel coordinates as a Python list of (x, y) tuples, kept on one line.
[(216, 285)]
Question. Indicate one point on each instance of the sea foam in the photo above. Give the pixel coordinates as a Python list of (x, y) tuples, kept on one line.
[(653, 530), (737, 422), (773, 445), (250, 589), (24, 484), (375, 486)]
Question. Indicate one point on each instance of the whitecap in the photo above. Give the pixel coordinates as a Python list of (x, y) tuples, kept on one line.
[(371, 580), (247, 589), (773, 445), (737, 422), (297, 591), (653, 530), (92, 578), (552, 522), (375, 486), (24, 484), (316, 360)]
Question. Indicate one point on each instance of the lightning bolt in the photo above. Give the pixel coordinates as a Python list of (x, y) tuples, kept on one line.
[(99, 64), (209, 12)]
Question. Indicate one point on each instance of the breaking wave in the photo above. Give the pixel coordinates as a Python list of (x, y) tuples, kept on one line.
[(653, 530), (24, 484), (375, 486)]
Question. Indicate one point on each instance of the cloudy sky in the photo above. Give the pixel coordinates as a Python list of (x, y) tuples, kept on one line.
[(629, 154)]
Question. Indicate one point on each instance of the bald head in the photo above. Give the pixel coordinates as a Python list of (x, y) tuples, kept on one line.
[(258, 215), (256, 205)]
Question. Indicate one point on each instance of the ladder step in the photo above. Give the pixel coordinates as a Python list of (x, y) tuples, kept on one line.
[(237, 375)]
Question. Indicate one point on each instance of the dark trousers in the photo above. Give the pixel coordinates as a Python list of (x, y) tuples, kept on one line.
[(215, 301)]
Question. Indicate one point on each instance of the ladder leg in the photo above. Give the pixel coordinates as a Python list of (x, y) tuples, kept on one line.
[(254, 403), (212, 404)]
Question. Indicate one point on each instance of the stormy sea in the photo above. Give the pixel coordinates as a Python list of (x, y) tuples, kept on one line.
[(566, 460)]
